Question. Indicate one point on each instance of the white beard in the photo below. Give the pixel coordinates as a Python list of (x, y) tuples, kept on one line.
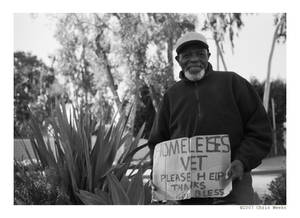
[(194, 77)]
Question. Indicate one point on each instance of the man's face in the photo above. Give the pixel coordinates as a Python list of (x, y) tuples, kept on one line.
[(193, 60)]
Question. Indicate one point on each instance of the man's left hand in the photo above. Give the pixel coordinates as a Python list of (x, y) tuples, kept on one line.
[(235, 170)]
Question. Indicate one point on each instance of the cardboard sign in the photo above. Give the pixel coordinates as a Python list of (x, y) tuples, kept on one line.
[(191, 168)]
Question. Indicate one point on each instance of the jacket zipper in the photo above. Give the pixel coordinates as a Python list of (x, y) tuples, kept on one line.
[(197, 99)]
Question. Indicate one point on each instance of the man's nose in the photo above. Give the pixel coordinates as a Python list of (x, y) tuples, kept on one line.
[(195, 57)]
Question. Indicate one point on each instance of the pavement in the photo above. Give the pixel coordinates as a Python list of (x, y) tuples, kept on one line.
[(271, 165), (266, 172)]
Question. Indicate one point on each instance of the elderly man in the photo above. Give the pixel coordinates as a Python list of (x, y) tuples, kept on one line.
[(208, 102)]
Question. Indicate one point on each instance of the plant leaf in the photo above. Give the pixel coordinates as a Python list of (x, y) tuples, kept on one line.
[(118, 194), (135, 190), (125, 182), (148, 193), (104, 195), (90, 198), (134, 146), (28, 154)]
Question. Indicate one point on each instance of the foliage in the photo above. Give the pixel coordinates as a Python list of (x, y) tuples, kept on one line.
[(31, 187), (281, 19), (75, 58), (85, 63), (87, 173), (278, 93), (145, 112), (278, 191), (221, 23), (114, 49), (32, 79)]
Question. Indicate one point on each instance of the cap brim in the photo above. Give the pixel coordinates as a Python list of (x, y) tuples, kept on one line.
[(196, 43)]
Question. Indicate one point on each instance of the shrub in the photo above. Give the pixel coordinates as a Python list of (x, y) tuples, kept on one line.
[(277, 190), (86, 173), (32, 187)]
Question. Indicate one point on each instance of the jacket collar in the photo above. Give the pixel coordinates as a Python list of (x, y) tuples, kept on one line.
[(208, 69)]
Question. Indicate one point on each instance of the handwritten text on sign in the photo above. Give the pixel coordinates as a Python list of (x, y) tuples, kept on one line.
[(191, 167)]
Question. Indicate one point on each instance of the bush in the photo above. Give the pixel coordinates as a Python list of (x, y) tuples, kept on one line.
[(278, 191), (85, 173), (32, 187)]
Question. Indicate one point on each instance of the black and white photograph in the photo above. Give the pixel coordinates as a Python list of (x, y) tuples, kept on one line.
[(149, 108)]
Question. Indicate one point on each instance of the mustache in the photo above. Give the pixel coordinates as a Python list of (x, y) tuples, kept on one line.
[(194, 65)]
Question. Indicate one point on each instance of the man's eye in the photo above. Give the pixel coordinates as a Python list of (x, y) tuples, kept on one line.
[(200, 53)]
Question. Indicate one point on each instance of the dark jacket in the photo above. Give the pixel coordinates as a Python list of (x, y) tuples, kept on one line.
[(219, 103)]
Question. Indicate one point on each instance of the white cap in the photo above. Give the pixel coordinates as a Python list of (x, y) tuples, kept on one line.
[(190, 37)]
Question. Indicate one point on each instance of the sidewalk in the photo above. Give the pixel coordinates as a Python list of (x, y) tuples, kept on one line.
[(269, 169), (271, 165)]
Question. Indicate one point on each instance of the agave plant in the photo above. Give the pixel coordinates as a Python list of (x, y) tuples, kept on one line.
[(90, 173)]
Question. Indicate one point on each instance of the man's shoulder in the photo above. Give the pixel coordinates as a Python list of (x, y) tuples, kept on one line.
[(223, 73), (227, 74), (177, 86)]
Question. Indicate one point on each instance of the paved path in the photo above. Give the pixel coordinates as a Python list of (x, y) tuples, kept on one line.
[(266, 172)]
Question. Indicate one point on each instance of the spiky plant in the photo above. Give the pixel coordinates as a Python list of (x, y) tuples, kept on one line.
[(90, 174)]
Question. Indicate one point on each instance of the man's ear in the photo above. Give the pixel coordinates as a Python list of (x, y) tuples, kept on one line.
[(177, 58), (208, 54)]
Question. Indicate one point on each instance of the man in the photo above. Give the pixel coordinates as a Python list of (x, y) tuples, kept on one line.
[(208, 102)]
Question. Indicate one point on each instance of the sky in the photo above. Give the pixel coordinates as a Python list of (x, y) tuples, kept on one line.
[(35, 34), (252, 47)]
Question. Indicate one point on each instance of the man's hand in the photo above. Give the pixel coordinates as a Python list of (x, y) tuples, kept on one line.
[(235, 170), (153, 187)]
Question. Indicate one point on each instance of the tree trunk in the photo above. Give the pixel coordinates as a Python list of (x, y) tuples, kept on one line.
[(170, 61), (274, 128), (101, 54), (136, 101), (220, 54), (112, 85), (171, 25), (218, 60), (267, 83), (155, 99)]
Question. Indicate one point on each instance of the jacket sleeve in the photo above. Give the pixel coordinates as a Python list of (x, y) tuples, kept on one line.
[(257, 140), (160, 127)]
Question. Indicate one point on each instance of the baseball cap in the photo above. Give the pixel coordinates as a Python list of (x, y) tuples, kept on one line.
[(189, 39)]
